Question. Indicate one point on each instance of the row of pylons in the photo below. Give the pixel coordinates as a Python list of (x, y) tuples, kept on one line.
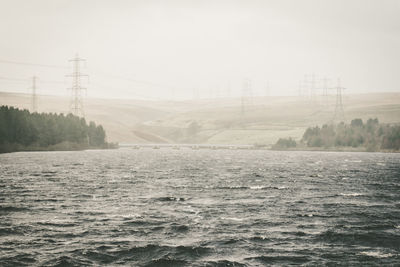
[(76, 106)]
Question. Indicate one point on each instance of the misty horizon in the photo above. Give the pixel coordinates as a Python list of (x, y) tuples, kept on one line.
[(187, 50)]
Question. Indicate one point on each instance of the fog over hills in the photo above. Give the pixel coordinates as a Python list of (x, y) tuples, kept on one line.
[(221, 53), (216, 121)]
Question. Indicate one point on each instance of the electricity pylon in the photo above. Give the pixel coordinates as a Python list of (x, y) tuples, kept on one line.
[(76, 102), (228, 89), (267, 89), (301, 93), (196, 95), (325, 93), (246, 95), (308, 87), (325, 86), (312, 88), (339, 111), (34, 104)]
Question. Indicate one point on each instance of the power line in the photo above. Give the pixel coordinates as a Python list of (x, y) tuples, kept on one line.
[(54, 82), (24, 80), (130, 92), (13, 79), (104, 74), (119, 77), (32, 64)]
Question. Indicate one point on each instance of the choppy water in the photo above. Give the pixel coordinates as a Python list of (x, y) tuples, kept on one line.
[(199, 208)]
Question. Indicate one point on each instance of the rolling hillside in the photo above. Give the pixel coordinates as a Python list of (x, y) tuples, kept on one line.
[(219, 121)]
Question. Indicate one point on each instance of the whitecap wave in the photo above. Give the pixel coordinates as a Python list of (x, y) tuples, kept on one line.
[(351, 194), (232, 219), (257, 187), (376, 254)]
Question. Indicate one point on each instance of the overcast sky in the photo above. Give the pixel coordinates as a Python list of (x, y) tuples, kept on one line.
[(182, 47)]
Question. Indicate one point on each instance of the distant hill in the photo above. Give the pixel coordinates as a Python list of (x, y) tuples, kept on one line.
[(118, 117), (218, 121)]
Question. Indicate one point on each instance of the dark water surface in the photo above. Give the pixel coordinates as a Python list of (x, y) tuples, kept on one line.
[(187, 207)]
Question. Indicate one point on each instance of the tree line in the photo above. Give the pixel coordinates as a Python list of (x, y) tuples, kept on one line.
[(22, 130), (371, 136)]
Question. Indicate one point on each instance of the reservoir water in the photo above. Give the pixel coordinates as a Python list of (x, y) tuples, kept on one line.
[(168, 207)]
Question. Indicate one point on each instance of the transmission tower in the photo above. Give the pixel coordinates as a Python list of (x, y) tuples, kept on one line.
[(76, 102), (312, 88), (267, 89), (246, 95), (196, 95), (304, 86), (325, 86), (300, 88), (34, 96), (228, 89), (339, 111), (172, 91)]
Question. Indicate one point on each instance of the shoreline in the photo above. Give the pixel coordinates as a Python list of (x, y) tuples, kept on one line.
[(65, 146), (80, 147), (336, 150)]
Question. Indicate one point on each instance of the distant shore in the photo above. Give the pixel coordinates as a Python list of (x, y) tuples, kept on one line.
[(252, 147), (330, 149), (64, 146)]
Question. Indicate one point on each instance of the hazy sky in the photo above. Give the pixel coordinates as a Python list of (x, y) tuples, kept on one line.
[(208, 46)]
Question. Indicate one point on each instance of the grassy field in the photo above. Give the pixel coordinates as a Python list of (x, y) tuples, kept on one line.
[(218, 121)]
